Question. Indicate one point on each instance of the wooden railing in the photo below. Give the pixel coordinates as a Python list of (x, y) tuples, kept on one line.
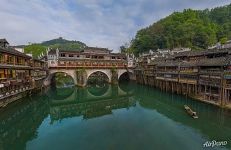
[(189, 81), (212, 83), (92, 64), (13, 90)]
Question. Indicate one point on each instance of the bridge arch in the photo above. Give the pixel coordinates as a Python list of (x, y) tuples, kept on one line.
[(125, 71), (70, 73), (106, 72)]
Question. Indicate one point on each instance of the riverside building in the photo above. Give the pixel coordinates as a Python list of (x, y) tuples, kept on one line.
[(204, 75), (19, 73)]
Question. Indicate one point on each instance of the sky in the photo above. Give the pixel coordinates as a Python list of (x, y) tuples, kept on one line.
[(100, 23)]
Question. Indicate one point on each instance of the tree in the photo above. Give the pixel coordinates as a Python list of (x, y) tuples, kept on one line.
[(195, 29), (223, 40), (122, 49), (35, 49)]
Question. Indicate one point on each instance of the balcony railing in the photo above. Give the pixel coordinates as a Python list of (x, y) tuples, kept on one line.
[(14, 63), (212, 72), (9, 87), (210, 83), (189, 81), (7, 92), (91, 64)]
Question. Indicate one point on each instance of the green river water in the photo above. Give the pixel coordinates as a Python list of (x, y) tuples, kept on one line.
[(123, 117)]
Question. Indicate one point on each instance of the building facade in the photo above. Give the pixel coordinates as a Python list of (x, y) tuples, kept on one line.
[(19, 73), (90, 57), (204, 75)]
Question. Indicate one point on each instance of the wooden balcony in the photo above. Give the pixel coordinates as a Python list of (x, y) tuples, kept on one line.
[(14, 65), (211, 72), (160, 78), (172, 79), (188, 81), (14, 91), (167, 79), (210, 83), (228, 86)]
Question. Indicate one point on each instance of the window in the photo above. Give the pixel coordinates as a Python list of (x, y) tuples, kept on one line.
[(88, 56), (71, 55), (2, 74), (62, 55), (112, 57)]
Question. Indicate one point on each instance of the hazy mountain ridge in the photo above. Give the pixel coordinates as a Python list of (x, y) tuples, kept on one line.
[(37, 48)]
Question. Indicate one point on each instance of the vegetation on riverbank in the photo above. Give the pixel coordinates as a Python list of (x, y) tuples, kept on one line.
[(196, 29)]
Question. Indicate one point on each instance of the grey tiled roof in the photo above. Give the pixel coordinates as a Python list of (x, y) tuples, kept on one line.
[(3, 41), (12, 51)]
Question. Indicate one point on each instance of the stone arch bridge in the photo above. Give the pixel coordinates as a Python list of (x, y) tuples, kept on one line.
[(80, 76)]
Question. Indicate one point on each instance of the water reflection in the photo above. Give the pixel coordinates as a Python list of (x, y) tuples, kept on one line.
[(60, 93), (90, 102), (20, 122), (213, 123), (110, 115), (98, 89)]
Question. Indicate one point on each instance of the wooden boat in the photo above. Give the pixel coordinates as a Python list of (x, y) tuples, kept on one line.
[(190, 112)]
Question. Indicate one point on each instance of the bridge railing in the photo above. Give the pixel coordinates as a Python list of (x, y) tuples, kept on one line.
[(92, 64)]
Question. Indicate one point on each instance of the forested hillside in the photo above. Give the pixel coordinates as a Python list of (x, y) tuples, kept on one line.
[(196, 29), (37, 48)]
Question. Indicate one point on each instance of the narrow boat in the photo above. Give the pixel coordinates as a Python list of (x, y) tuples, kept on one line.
[(190, 112)]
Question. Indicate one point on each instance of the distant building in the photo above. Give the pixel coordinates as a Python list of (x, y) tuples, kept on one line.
[(179, 50), (20, 49), (160, 53), (220, 46), (88, 57), (4, 43), (131, 60), (227, 44), (52, 57)]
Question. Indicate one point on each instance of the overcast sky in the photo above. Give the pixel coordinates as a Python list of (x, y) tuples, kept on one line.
[(101, 23)]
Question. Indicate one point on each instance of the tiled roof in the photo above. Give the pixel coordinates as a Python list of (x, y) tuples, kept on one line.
[(201, 53), (3, 41), (97, 48), (12, 51), (219, 61)]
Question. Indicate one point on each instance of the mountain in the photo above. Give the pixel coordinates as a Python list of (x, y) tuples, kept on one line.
[(64, 44), (37, 48), (196, 29)]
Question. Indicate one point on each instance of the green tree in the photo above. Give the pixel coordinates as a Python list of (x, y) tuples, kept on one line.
[(195, 29), (223, 40), (35, 49)]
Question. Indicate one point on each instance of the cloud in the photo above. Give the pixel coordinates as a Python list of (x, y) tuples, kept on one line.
[(102, 23)]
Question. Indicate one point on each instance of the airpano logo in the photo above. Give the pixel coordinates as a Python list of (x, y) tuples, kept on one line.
[(215, 143)]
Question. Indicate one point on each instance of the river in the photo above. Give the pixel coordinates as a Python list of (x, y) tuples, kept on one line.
[(127, 116)]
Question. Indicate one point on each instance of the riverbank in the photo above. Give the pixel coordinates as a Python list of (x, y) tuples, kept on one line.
[(186, 88)]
